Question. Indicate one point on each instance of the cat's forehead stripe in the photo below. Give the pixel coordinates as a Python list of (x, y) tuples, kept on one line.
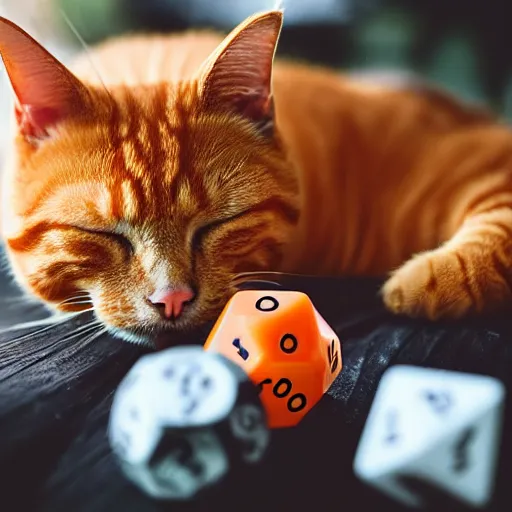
[(133, 196), (150, 139), (134, 160), (157, 137), (103, 201)]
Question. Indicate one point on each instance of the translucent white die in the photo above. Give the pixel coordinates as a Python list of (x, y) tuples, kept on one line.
[(440, 426)]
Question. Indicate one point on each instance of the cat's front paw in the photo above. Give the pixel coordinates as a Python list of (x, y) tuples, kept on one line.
[(433, 285)]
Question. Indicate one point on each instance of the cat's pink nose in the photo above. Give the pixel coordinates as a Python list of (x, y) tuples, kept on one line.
[(170, 301)]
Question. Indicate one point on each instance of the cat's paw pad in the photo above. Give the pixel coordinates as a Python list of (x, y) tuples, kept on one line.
[(431, 285)]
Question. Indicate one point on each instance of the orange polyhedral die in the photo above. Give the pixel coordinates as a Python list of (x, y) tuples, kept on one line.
[(285, 347)]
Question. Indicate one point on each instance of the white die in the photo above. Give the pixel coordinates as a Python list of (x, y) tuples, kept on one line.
[(439, 425), (152, 398)]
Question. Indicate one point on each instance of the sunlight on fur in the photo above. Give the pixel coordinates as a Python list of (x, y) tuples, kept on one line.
[(189, 168)]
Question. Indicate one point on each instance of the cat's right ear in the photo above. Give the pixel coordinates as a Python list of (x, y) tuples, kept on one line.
[(45, 91), (237, 76)]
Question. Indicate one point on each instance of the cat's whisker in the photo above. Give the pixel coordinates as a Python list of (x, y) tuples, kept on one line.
[(269, 273), (83, 295), (51, 320), (49, 323), (30, 334), (16, 301), (268, 277), (251, 284), (86, 325), (240, 279), (94, 336), (279, 5), (75, 302), (86, 48), (83, 329), (78, 294), (18, 353)]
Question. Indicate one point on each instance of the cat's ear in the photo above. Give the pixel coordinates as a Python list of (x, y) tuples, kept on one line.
[(238, 74), (45, 91)]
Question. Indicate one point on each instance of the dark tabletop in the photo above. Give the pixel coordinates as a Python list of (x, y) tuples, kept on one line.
[(55, 395)]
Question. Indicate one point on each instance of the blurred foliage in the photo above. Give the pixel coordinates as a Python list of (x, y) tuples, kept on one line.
[(462, 44), (96, 20)]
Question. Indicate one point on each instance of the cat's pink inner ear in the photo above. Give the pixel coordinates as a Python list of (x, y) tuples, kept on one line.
[(238, 75), (46, 92)]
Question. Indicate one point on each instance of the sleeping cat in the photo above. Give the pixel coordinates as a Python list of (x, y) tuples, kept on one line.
[(149, 183)]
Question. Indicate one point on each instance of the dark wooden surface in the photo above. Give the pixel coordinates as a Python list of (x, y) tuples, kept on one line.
[(55, 395)]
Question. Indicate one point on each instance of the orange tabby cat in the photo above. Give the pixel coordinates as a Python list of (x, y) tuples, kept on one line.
[(195, 158)]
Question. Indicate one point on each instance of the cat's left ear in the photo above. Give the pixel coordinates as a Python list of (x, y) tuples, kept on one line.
[(46, 92), (237, 76)]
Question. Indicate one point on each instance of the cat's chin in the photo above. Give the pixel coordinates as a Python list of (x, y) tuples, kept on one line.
[(132, 337), (159, 340)]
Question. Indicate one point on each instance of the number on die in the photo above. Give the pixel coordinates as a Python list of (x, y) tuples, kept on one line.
[(438, 426), (283, 344)]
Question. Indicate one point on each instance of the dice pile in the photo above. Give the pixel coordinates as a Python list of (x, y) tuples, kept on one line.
[(187, 418)]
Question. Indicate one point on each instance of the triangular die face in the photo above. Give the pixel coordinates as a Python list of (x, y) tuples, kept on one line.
[(387, 443), (330, 348), (415, 410), (278, 323), (464, 462), (261, 302), (233, 340), (441, 394), (290, 329)]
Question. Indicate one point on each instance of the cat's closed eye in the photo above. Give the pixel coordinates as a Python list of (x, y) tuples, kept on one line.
[(200, 234), (204, 230), (118, 238)]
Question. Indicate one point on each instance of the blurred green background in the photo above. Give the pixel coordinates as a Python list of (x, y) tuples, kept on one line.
[(462, 44)]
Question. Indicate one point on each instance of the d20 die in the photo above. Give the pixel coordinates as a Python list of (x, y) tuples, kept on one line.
[(440, 426), (281, 341), (182, 419)]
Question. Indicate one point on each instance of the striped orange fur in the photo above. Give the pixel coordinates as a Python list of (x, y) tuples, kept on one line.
[(196, 157)]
